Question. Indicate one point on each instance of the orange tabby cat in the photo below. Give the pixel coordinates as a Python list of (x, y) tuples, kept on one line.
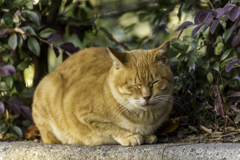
[(104, 96)]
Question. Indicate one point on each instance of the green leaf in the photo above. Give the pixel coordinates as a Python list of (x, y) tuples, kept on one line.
[(206, 65), (24, 64), (32, 16), (1, 2), (33, 45), (9, 81), (225, 54), (6, 56), (3, 130), (16, 131), (47, 32), (29, 4), (180, 11), (210, 77), (216, 66), (224, 36), (12, 41), (26, 123), (20, 40), (172, 53), (29, 30), (19, 86), (220, 87), (193, 52), (28, 92), (191, 62), (4, 86), (237, 118)]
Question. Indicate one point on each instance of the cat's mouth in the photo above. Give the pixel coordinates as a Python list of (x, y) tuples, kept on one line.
[(148, 105)]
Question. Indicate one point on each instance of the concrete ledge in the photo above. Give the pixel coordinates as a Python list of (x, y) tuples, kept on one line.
[(32, 151)]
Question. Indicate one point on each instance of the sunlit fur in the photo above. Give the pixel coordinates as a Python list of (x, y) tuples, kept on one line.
[(97, 95)]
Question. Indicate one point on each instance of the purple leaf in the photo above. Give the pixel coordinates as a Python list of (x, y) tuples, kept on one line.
[(230, 64), (54, 37), (232, 29), (220, 12), (227, 7), (2, 107), (214, 25), (234, 108), (15, 108), (56, 51), (16, 100), (4, 72), (26, 111), (204, 17), (234, 13), (69, 47), (184, 25), (10, 69), (216, 0), (207, 25), (236, 94), (200, 13), (236, 40), (196, 29)]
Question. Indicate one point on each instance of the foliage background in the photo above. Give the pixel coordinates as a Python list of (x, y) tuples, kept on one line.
[(36, 36)]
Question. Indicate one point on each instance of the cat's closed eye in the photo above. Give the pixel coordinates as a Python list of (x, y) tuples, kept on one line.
[(153, 83)]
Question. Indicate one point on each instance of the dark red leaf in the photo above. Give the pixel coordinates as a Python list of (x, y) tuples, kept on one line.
[(15, 108), (196, 29), (234, 13), (218, 107), (214, 25), (69, 47), (64, 56), (15, 100), (184, 25), (236, 40), (2, 107), (54, 37), (56, 51), (26, 111), (201, 12), (236, 94), (180, 34), (230, 64), (234, 108)]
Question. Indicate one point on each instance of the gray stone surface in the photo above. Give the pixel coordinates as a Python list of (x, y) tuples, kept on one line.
[(32, 151)]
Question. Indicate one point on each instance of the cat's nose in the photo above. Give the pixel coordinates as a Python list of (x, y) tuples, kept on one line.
[(147, 98)]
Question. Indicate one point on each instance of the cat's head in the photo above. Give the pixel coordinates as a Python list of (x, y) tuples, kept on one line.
[(141, 78)]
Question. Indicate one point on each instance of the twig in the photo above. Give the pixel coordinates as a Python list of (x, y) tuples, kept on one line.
[(112, 38), (210, 4)]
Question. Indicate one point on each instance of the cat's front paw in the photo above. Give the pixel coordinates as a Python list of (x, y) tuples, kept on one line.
[(150, 139), (132, 140)]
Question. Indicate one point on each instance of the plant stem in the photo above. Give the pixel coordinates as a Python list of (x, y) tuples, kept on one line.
[(210, 4)]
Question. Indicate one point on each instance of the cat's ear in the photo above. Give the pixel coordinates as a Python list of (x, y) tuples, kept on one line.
[(117, 56), (161, 53)]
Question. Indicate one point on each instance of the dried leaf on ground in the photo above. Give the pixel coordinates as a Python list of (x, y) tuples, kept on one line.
[(31, 132), (206, 129), (169, 126)]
